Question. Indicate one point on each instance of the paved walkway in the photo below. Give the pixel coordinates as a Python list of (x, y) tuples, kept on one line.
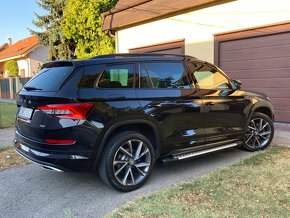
[(6, 100), (281, 138), (6, 136)]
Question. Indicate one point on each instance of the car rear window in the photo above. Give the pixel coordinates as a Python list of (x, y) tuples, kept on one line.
[(50, 79)]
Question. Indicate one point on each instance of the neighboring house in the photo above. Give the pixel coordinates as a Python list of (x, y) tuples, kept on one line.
[(4, 46), (248, 39), (28, 54)]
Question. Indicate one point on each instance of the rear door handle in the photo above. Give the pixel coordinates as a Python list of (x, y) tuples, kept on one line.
[(210, 104)]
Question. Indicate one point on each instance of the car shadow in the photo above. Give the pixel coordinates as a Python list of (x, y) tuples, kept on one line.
[(163, 174), (28, 187)]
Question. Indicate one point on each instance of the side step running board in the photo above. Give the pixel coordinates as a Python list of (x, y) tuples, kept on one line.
[(197, 153)]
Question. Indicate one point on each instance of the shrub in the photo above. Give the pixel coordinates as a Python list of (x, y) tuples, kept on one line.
[(12, 68)]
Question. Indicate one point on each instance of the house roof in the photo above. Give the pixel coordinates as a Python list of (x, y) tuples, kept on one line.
[(4, 46), (132, 12), (20, 48)]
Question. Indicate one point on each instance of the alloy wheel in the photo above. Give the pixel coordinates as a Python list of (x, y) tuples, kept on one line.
[(132, 162), (258, 133)]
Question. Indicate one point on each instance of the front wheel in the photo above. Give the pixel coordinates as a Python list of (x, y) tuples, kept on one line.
[(260, 132), (127, 161)]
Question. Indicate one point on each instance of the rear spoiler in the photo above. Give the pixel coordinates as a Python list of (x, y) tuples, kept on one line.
[(57, 64)]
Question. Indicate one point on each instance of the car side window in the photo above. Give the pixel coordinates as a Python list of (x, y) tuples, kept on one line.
[(208, 77), (163, 75), (117, 76), (90, 76)]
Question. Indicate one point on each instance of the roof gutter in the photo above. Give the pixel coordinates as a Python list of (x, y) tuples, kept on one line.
[(11, 58), (110, 12)]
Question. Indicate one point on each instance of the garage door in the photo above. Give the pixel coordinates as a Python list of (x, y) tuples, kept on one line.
[(262, 63), (173, 47)]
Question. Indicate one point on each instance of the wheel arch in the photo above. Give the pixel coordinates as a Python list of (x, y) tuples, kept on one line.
[(264, 109), (150, 132)]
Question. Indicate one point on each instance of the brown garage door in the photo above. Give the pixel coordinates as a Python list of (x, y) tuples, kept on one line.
[(173, 47), (261, 61)]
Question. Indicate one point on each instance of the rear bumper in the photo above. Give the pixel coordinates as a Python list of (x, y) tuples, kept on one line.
[(59, 160)]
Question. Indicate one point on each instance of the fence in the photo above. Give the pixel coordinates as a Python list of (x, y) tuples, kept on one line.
[(10, 86)]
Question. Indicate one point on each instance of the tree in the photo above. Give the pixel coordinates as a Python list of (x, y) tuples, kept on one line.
[(12, 68), (52, 36), (82, 23)]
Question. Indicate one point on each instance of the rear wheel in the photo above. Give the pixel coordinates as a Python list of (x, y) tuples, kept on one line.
[(260, 132), (127, 161)]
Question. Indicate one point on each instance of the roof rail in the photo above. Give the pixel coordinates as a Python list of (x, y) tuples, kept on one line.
[(122, 55)]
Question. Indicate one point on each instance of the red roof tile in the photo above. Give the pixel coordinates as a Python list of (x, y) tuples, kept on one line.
[(19, 48), (4, 46)]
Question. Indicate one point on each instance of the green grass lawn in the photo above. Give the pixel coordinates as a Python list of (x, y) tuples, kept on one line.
[(7, 115), (9, 158), (259, 186)]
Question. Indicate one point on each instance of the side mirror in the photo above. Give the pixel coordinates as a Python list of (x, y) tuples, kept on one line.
[(237, 84)]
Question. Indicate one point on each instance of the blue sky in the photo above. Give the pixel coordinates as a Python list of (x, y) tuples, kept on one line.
[(15, 17)]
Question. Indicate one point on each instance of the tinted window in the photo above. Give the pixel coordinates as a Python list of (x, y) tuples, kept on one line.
[(117, 76), (50, 79), (90, 76), (210, 78), (163, 75)]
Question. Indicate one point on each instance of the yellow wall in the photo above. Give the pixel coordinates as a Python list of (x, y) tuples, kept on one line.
[(198, 27)]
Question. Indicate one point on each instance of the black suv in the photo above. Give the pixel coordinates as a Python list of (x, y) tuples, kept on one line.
[(120, 113)]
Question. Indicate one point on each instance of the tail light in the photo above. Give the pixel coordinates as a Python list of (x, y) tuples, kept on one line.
[(68, 111)]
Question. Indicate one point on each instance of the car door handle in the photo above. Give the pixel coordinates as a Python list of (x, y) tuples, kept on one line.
[(210, 104)]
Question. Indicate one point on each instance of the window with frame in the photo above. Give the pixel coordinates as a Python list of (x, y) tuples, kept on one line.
[(209, 78), (163, 75), (90, 76), (117, 76)]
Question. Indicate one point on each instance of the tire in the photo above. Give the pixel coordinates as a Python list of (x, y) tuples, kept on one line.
[(259, 134), (120, 166)]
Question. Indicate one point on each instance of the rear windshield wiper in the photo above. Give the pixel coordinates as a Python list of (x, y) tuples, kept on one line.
[(29, 88)]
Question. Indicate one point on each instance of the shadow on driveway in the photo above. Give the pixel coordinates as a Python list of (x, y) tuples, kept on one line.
[(30, 191)]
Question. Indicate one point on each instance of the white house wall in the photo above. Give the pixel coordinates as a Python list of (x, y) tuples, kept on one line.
[(23, 64), (198, 27), (37, 58)]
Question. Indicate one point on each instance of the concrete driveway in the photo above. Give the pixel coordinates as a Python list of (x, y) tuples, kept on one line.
[(30, 191), (6, 136)]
